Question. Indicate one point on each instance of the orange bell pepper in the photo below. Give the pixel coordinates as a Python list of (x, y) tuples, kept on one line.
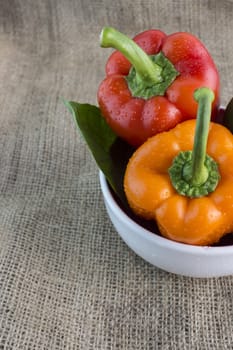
[(189, 194)]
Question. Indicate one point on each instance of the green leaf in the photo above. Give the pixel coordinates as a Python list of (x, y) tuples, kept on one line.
[(228, 116), (109, 151)]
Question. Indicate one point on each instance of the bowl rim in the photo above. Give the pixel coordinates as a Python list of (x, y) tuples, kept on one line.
[(153, 237)]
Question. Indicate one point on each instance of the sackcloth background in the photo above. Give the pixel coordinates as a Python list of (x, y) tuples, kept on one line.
[(67, 280)]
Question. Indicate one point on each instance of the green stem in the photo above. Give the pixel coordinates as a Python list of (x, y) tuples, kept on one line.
[(195, 173), (146, 70), (198, 171)]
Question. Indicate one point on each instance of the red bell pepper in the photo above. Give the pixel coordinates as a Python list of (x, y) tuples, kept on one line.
[(150, 82)]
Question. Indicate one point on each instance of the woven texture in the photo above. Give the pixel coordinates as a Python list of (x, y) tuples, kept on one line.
[(67, 280)]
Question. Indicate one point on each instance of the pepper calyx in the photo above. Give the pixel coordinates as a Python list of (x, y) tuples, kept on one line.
[(140, 88), (182, 182)]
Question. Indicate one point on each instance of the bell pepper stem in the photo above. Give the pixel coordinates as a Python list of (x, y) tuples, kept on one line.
[(146, 70), (194, 173), (197, 172)]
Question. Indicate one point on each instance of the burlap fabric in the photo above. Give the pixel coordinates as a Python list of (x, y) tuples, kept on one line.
[(67, 280)]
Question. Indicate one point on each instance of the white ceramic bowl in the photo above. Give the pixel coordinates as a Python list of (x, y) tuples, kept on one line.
[(182, 259)]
